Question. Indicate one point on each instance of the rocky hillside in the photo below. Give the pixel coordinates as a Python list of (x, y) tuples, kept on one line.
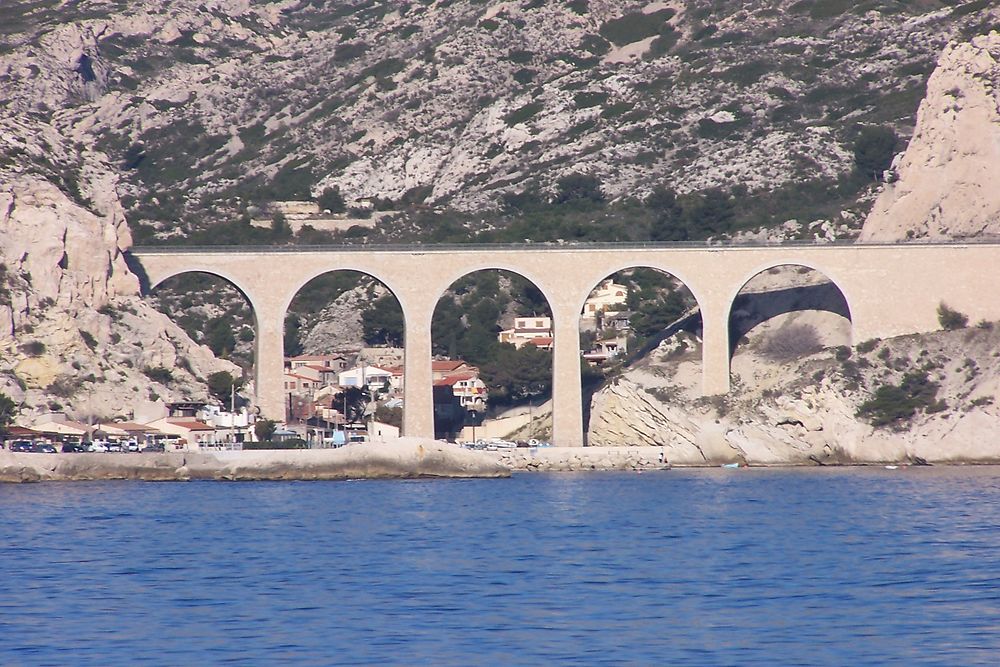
[(208, 107), (909, 399), (74, 334), (945, 184)]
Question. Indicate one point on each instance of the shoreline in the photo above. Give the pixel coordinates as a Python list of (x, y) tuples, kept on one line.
[(635, 458), (406, 458)]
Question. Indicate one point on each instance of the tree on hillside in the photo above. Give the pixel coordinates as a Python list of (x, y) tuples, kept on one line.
[(8, 410), (577, 187), (382, 323), (222, 385), (220, 337), (874, 150), (331, 200), (517, 374), (280, 229), (951, 319), (293, 344)]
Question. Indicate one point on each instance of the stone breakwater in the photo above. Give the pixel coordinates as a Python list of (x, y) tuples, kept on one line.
[(405, 458), (569, 459)]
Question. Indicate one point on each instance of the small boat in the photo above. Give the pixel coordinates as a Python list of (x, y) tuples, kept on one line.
[(730, 465), (891, 467)]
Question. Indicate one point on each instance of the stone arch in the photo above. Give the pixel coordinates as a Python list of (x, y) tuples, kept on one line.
[(235, 336), (685, 284), (212, 271), (371, 272), (482, 348), (608, 340), (752, 305), (313, 405)]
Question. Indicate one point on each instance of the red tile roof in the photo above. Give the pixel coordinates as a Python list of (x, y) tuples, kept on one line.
[(191, 424), (446, 365)]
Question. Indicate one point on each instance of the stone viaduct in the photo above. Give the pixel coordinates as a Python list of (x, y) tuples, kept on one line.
[(890, 289)]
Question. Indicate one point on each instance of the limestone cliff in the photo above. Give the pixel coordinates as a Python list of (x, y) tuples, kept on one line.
[(804, 410), (948, 176), (74, 333)]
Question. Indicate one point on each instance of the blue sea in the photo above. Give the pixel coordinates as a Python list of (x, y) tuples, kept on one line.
[(848, 566)]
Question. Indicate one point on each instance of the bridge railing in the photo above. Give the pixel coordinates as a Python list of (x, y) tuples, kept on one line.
[(546, 245)]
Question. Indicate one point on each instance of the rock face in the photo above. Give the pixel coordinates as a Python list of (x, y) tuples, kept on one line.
[(574, 459), (804, 410), (402, 458), (74, 334), (456, 103), (948, 176)]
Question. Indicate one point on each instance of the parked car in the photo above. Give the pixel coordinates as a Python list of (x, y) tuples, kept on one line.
[(131, 446), (114, 447), (153, 448), (97, 446), (43, 448), (73, 447), (21, 446)]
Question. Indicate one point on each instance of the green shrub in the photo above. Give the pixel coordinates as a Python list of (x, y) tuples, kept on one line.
[(895, 405), (867, 346), (331, 200), (577, 187), (35, 348), (294, 443), (874, 149), (159, 374), (949, 319), (791, 341)]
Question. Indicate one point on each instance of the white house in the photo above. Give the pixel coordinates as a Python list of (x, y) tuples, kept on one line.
[(335, 362), (467, 388), (373, 377), (192, 433), (527, 330), (607, 295)]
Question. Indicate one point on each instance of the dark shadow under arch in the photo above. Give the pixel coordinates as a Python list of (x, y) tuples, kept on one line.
[(753, 308)]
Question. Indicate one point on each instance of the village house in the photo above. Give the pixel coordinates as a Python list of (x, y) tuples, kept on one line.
[(372, 377), (298, 384), (141, 434), (230, 427), (334, 362), (442, 368), (56, 427), (467, 388), (188, 433), (605, 350), (606, 296), (396, 381), (534, 330), (619, 320)]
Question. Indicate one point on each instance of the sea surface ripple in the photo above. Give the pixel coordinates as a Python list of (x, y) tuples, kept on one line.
[(698, 567)]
